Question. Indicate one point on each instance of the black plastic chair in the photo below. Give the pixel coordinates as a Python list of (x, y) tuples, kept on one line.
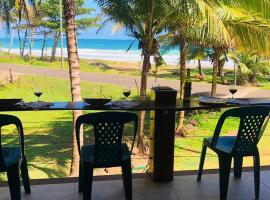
[(253, 121), (12, 159), (108, 150)]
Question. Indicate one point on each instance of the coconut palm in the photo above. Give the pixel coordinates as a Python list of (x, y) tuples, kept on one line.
[(143, 20), (74, 73), (199, 53), (250, 66), (189, 24), (28, 7), (248, 27)]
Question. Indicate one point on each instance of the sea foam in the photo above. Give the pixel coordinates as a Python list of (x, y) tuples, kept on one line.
[(119, 55)]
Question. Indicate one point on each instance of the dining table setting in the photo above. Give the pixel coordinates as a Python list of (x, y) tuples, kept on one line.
[(202, 102)]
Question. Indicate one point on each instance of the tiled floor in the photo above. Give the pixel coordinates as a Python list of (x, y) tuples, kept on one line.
[(183, 187)]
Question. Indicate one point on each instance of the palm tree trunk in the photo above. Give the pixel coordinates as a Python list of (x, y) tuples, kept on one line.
[(74, 72), (201, 74), (215, 72), (55, 44), (43, 45), (219, 73), (20, 42), (234, 73), (183, 54), (214, 79), (200, 67), (24, 42), (31, 41), (11, 41), (145, 68), (146, 52), (223, 78)]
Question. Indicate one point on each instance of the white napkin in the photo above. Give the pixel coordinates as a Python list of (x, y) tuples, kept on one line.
[(37, 105)]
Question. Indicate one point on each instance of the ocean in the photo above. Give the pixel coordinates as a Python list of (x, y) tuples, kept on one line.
[(102, 49)]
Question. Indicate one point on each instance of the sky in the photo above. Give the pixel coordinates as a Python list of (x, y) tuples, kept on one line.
[(105, 33)]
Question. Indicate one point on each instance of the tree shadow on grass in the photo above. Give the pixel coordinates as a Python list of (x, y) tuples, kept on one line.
[(49, 152), (106, 67)]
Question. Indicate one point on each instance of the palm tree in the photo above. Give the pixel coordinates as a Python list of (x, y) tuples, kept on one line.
[(199, 53), (28, 7), (250, 65), (142, 19), (249, 30), (189, 23), (74, 73)]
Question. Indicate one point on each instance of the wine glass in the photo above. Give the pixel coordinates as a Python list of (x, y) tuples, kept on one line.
[(38, 94), (233, 90), (126, 92)]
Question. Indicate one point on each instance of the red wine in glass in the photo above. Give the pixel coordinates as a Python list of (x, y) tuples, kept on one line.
[(233, 91), (126, 93), (38, 94)]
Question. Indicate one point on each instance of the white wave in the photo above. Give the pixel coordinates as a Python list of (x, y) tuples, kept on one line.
[(119, 55)]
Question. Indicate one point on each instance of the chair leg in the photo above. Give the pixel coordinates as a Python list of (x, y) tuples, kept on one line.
[(87, 180), (224, 175), (256, 159), (14, 181), (204, 148), (238, 163), (25, 176), (127, 178), (80, 177)]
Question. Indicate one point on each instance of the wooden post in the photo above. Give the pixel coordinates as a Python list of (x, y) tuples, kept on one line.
[(162, 128), (10, 76)]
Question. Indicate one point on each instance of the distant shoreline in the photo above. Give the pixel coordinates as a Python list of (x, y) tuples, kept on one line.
[(105, 49), (120, 55)]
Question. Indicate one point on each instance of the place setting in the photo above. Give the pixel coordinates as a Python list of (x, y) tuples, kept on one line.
[(124, 104), (107, 102), (96, 101), (38, 104), (218, 101)]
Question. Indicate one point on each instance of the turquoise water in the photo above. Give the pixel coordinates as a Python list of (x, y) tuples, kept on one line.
[(102, 44), (99, 44)]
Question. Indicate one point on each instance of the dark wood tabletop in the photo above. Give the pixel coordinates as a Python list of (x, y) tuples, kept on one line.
[(194, 104)]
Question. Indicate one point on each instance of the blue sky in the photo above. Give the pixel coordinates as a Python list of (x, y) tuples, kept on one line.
[(105, 33)]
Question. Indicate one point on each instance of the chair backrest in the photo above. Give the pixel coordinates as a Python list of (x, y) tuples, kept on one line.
[(10, 120), (108, 133), (253, 121)]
